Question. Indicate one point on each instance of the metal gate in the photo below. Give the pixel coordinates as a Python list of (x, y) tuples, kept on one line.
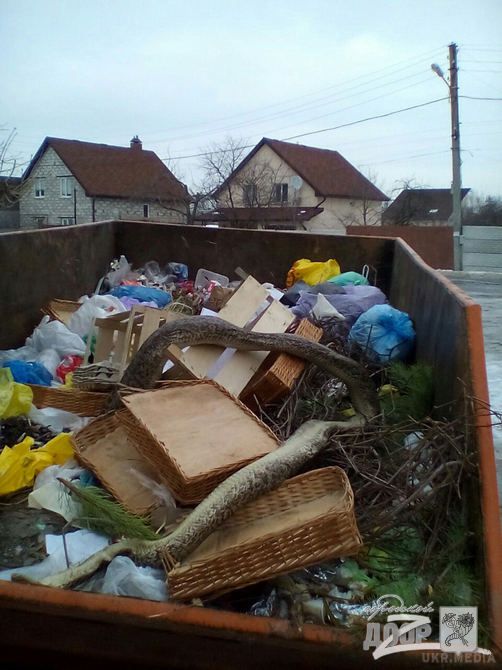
[(482, 248)]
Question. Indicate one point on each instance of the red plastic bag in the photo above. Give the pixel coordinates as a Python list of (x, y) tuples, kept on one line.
[(67, 365)]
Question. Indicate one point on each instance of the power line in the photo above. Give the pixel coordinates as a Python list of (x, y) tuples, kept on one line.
[(315, 132), (424, 57), (473, 97), (369, 118)]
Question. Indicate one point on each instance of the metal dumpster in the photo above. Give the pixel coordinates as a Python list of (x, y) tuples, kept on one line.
[(51, 628)]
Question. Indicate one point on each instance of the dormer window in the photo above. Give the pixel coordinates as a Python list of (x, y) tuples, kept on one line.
[(280, 193)]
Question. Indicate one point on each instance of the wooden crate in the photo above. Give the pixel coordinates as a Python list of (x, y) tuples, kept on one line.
[(119, 336), (195, 434), (307, 520), (280, 378)]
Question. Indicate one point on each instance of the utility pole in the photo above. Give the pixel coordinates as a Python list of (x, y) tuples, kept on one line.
[(456, 185)]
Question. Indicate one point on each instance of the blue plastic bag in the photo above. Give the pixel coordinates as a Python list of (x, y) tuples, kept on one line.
[(384, 333), (143, 294), (29, 373)]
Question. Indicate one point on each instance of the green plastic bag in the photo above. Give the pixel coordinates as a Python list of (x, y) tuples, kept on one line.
[(347, 278), (15, 399)]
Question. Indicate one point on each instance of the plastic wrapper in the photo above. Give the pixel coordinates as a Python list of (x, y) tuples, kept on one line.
[(179, 270), (55, 335), (385, 334), (67, 365)]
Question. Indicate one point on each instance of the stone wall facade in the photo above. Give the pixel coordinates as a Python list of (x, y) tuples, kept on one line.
[(48, 200)]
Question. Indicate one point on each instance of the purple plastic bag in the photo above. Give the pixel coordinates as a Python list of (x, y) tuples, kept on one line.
[(354, 301)]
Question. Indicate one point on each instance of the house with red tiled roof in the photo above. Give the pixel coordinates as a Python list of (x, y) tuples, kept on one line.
[(292, 186), (71, 182)]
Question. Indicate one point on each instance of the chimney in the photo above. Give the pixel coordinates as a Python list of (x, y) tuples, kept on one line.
[(136, 143)]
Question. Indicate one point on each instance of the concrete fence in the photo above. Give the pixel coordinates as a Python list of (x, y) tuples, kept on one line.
[(482, 248)]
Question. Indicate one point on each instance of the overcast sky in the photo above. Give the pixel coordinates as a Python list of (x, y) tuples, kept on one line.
[(184, 75)]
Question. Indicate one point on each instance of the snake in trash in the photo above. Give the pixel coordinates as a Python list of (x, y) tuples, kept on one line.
[(254, 479), (145, 368)]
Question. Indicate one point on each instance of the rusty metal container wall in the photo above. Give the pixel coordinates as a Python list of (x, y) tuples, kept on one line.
[(58, 627)]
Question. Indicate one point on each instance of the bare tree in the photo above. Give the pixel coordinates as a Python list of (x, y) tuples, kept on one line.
[(365, 213), (10, 184)]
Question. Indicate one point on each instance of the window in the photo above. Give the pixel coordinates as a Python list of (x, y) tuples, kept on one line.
[(40, 187), (280, 193), (250, 193), (39, 221), (65, 187), (146, 211), (66, 220)]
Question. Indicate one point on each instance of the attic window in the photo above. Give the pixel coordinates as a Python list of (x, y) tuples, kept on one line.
[(250, 193), (146, 211), (433, 211), (280, 193), (40, 187), (65, 187)]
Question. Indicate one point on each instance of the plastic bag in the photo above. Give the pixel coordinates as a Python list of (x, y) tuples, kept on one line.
[(351, 302), (19, 465), (50, 359), (57, 419), (29, 373), (312, 272), (79, 545), (21, 354), (384, 333), (67, 365), (55, 335), (143, 293), (15, 399), (125, 578), (95, 307), (346, 278)]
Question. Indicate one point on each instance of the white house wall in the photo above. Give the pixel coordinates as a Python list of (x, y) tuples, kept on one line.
[(54, 207), (337, 212)]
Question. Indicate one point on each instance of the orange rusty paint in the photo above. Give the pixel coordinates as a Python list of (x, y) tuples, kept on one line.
[(487, 469), (149, 614)]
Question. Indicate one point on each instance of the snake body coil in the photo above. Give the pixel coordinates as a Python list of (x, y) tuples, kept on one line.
[(146, 367)]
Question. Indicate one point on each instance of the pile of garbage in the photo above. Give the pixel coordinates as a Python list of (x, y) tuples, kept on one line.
[(362, 519)]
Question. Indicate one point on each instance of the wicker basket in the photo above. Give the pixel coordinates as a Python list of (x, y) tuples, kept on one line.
[(307, 520), (195, 434), (82, 403), (279, 379), (61, 310), (104, 447)]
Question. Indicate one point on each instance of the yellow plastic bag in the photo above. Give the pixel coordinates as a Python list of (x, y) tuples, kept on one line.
[(312, 272), (15, 399), (19, 465)]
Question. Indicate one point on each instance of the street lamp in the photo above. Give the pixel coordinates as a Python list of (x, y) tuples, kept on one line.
[(456, 184)]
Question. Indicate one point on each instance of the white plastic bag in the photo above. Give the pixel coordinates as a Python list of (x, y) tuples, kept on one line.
[(57, 419), (125, 578), (50, 359), (55, 335), (22, 354), (96, 307)]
